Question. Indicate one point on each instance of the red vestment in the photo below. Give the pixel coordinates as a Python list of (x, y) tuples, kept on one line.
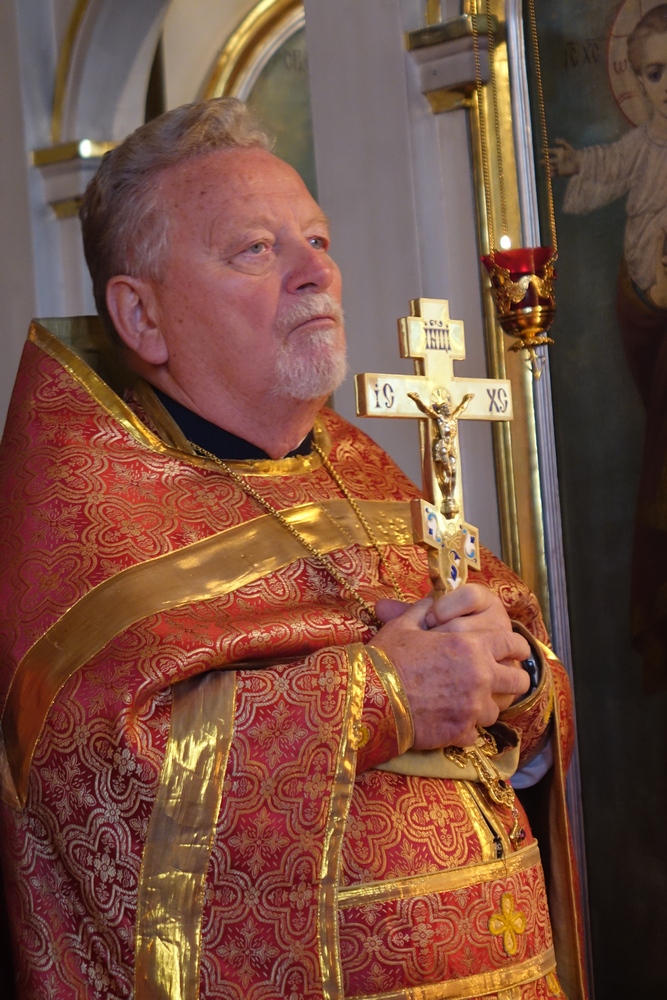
[(192, 726)]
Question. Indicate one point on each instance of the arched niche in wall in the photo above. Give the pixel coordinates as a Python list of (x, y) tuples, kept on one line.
[(104, 67)]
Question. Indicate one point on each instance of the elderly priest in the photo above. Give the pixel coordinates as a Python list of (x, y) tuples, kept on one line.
[(231, 707)]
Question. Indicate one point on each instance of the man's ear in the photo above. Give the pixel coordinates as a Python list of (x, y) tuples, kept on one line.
[(133, 309)]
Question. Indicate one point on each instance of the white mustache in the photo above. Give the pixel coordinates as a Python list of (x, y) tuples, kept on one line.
[(311, 306)]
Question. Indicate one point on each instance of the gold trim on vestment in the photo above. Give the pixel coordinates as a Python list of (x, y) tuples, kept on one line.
[(119, 410), (201, 571), (490, 815), (180, 837), (161, 418), (172, 434), (446, 881), (96, 387), (479, 824), (476, 986), (339, 805), (563, 884), (295, 466), (398, 700)]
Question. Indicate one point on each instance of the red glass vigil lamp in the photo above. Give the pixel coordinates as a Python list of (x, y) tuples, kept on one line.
[(522, 282)]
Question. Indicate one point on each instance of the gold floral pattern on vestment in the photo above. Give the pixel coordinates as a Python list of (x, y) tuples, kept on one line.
[(95, 386)]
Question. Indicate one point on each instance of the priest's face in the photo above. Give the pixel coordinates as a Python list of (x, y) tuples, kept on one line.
[(248, 304)]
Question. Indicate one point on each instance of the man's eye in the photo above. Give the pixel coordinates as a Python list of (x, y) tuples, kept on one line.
[(257, 248), (319, 242)]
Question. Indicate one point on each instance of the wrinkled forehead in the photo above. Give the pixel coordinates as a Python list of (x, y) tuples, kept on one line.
[(227, 179)]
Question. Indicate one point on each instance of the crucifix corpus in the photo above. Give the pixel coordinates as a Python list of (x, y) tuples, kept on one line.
[(438, 400)]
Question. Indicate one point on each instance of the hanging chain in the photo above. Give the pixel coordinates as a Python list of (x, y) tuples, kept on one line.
[(479, 88), (543, 123), (496, 123), (481, 114), (321, 558), (483, 134), (364, 523)]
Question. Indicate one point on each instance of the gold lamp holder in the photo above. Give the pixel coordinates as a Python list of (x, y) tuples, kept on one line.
[(522, 283)]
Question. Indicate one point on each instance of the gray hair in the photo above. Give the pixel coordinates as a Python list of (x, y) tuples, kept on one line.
[(125, 230), (654, 22)]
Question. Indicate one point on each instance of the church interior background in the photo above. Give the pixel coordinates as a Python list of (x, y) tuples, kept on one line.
[(345, 83)]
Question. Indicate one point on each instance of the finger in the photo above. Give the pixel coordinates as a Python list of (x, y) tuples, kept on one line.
[(516, 664), (469, 599), (469, 736), (387, 609), (504, 701), (509, 681), (467, 623), (488, 714), (411, 615), (508, 645)]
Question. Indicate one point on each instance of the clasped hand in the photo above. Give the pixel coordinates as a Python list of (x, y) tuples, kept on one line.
[(458, 660)]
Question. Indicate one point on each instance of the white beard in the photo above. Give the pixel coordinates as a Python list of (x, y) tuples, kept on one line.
[(310, 365)]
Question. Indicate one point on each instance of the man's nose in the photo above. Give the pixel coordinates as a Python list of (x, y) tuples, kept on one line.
[(310, 269)]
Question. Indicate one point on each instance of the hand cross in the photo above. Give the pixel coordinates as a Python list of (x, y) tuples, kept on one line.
[(438, 399)]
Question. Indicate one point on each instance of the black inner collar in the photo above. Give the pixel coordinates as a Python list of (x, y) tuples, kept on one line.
[(219, 442)]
